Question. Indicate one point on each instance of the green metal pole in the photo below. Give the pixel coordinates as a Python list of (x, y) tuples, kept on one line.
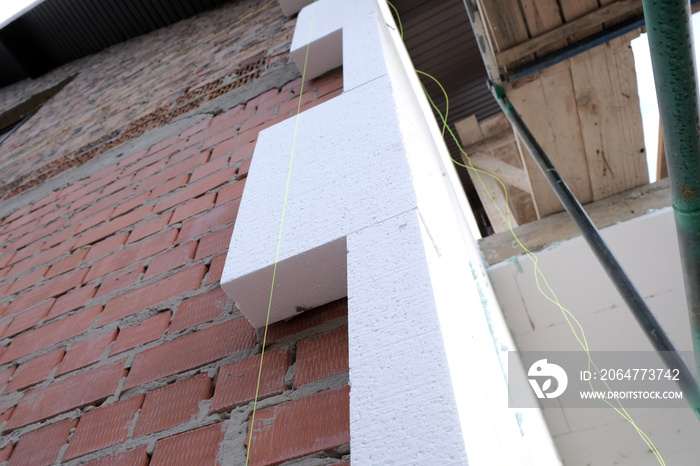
[(673, 60)]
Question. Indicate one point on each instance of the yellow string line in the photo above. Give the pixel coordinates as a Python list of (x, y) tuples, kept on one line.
[(134, 85), (279, 235), (538, 272)]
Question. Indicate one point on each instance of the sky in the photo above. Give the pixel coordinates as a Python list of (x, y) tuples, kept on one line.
[(645, 80), (647, 94)]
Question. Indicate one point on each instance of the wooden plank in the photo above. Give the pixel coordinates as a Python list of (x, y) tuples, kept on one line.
[(547, 104), (574, 9), (505, 25), (469, 131), (608, 13), (605, 86), (509, 174), (559, 227), (543, 16), (661, 167)]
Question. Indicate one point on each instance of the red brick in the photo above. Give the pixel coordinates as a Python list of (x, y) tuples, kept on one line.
[(199, 446), (103, 427), (321, 356), (225, 147), (6, 452), (150, 226), (190, 151), (131, 254), (171, 184), (5, 260), (193, 207), (49, 289), (238, 380), (64, 236), (243, 169), (67, 264), (316, 423), (307, 320), (123, 182), (133, 158), (120, 279), (214, 243), (184, 165), (28, 318), (36, 235), (75, 391), (35, 370), (263, 98), (136, 457), (166, 147), (244, 151), (87, 351), (259, 119), (217, 218), (230, 192), (195, 189), (216, 269), (40, 447), (171, 259), (149, 330), (5, 376), (113, 226), (195, 129), (96, 219), (131, 204), (199, 309), (173, 404), (208, 168), (47, 335), (20, 231), (27, 280), (191, 351), (106, 246), (71, 301), (136, 300), (26, 252)]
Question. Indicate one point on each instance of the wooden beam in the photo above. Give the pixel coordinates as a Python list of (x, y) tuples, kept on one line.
[(661, 168), (506, 172), (606, 14), (559, 227)]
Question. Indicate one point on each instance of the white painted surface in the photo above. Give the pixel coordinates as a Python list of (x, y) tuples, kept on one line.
[(647, 248), (428, 385)]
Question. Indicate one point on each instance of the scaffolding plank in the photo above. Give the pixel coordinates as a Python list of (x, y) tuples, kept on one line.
[(547, 104), (608, 109)]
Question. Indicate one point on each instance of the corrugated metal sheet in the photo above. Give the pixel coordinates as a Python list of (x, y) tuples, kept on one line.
[(440, 41), (59, 31)]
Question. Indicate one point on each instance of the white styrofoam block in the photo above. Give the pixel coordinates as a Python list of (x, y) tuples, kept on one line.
[(337, 178), (308, 280), (320, 25), (398, 368)]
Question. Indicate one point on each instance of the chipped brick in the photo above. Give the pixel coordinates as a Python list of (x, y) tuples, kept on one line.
[(149, 330)]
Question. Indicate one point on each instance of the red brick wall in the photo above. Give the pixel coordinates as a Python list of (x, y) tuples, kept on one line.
[(117, 344), (115, 97)]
